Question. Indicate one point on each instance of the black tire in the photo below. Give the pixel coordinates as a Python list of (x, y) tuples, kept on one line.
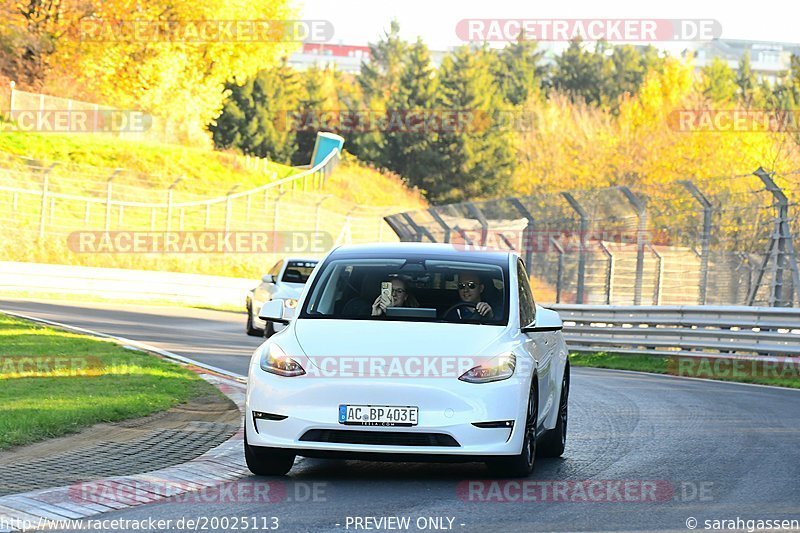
[(267, 461), (552, 443), (269, 331), (250, 327), (521, 465)]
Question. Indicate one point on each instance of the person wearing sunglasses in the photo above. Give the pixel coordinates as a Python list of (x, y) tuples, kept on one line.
[(470, 290), (400, 298)]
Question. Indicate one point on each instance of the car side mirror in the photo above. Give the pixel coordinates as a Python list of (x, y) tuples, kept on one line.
[(546, 320), (273, 311), (268, 278)]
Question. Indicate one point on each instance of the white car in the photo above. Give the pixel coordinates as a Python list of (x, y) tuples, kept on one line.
[(435, 379), (285, 282)]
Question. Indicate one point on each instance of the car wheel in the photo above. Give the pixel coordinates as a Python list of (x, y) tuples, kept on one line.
[(267, 461), (250, 327), (269, 330), (521, 465), (553, 441)]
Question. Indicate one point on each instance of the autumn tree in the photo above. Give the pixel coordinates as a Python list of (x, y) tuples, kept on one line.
[(258, 116), (89, 49), (718, 81)]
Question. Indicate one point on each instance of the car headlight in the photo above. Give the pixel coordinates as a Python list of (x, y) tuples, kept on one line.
[(275, 361), (499, 368)]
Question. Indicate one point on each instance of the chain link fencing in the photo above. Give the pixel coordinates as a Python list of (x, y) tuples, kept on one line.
[(716, 241), (42, 205)]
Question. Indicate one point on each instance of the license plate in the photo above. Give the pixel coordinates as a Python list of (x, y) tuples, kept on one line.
[(378, 415)]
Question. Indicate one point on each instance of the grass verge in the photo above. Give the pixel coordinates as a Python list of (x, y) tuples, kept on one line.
[(781, 374), (54, 382)]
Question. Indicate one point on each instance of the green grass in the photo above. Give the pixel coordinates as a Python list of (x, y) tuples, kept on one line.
[(145, 164), (53, 382), (782, 375)]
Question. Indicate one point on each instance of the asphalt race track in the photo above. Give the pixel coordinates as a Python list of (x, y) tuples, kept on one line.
[(643, 453)]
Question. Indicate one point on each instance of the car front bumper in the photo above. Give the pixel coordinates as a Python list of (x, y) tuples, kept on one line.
[(447, 406)]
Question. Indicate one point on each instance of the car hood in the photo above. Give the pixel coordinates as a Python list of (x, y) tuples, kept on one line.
[(363, 338)]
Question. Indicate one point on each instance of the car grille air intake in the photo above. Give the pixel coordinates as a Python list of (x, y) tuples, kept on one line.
[(383, 438)]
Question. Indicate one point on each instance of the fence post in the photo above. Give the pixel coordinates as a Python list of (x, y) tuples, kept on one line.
[(43, 213), (584, 227), (641, 233), (781, 243), (659, 275), (609, 271), (277, 210), (705, 239), (108, 198), (228, 208), (169, 203), (439, 220), (419, 230), (560, 271), (317, 212), (478, 214), (527, 239), (11, 100)]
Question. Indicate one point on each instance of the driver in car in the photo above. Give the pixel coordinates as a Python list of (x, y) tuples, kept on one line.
[(470, 290)]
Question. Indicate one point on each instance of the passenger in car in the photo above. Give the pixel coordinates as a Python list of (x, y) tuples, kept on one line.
[(470, 290), (401, 297)]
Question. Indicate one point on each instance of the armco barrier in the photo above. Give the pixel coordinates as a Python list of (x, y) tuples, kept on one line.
[(682, 330)]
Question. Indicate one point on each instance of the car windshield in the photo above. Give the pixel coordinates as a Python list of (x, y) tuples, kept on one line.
[(298, 271), (423, 290)]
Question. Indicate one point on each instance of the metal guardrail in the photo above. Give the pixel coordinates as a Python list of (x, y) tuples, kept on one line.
[(682, 330)]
